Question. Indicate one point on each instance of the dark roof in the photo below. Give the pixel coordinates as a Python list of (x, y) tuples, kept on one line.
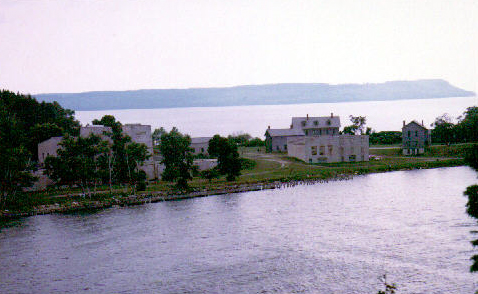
[(284, 132), (200, 140), (316, 122), (414, 122)]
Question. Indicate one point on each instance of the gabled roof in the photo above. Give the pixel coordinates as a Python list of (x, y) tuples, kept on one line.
[(284, 132), (316, 122), (200, 140), (414, 122)]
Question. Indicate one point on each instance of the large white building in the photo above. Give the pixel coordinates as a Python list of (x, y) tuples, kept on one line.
[(329, 148), (317, 139)]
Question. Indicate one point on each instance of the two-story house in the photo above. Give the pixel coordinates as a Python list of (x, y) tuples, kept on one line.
[(415, 137)]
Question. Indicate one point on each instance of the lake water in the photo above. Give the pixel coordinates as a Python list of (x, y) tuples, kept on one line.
[(334, 237), (208, 121)]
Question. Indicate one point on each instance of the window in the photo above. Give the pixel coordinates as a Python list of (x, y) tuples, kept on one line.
[(416, 133), (202, 150), (313, 150), (310, 160), (316, 123), (322, 150), (285, 147), (331, 149), (277, 148), (327, 131), (328, 122), (352, 158), (320, 132), (409, 134), (303, 123)]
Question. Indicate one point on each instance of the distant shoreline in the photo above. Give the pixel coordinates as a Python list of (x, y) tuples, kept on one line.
[(268, 94)]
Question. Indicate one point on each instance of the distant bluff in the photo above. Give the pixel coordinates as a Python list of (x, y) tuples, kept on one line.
[(269, 94)]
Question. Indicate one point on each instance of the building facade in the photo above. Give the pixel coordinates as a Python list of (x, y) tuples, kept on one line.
[(329, 148), (276, 139), (48, 148), (200, 145), (415, 138)]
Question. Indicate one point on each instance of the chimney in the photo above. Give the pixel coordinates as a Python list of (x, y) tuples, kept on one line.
[(291, 126), (422, 123), (268, 127), (331, 114), (307, 116), (403, 123)]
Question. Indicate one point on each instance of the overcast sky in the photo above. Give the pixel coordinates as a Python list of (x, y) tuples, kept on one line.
[(76, 46)]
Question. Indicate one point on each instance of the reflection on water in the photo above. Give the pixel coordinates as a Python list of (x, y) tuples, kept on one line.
[(335, 237)]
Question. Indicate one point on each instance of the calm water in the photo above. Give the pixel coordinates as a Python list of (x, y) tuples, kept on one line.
[(207, 121), (335, 237)]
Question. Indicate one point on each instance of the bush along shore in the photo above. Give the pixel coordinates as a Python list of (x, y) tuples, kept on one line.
[(73, 202)]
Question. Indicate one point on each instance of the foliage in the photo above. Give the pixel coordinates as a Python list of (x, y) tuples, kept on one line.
[(471, 156), (136, 155), (466, 130), (15, 162), (210, 174), (388, 288), (227, 155), (37, 121), (157, 133), (385, 138), (78, 162), (245, 140), (357, 127), (471, 159), (177, 157)]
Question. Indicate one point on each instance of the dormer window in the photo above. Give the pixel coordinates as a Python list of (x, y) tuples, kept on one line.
[(303, 123), (316, 123), (328, 122)]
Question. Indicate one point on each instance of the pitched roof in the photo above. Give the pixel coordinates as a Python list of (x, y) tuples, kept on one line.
[(284, 132), (200, 140), (414, 122), (316, 122)]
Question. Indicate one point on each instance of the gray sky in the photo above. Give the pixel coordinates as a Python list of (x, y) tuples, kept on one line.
[(75, 46)]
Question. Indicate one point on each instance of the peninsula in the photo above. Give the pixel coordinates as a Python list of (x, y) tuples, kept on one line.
[(270, 94)]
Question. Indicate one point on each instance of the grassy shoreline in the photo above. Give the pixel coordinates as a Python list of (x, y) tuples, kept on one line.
[(271, 171)]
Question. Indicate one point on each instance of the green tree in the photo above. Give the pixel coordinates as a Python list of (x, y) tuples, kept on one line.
[(15, 161), (469, 124), (78, 162), (443, 129), (117, 158), (471, 158), (38, 121), (136, 155), (177, 157), (227, 155), (157, 133), (357, 127)]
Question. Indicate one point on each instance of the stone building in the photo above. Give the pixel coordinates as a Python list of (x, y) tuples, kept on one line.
[(138, 133), (48, 148), (200, 145), (329, 148), (415, 137), (276, 139)]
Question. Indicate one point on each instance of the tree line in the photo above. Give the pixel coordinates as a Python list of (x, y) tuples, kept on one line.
[(25, 122)]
